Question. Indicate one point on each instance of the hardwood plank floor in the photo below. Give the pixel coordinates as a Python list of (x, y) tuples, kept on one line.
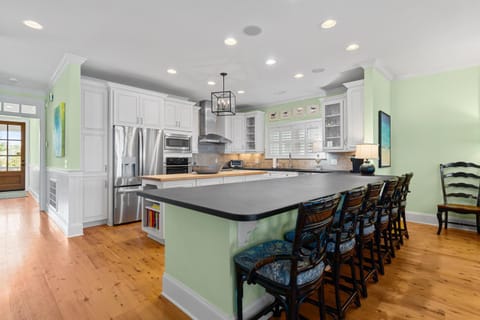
[(116, 273)]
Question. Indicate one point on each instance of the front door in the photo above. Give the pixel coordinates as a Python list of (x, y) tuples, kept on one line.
[(12, 156)]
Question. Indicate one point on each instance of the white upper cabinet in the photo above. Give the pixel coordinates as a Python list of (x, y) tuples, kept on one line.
[(137, 107), (354, 113), (333, 123), (246, 131), (255, 131), (151, 111), (178, 114), (125, 107), (195, 129), (343, 119)]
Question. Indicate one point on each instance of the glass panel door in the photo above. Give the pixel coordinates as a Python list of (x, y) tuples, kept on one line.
[(12, 156)]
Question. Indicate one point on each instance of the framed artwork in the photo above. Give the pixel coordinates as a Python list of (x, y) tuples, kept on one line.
[(59, 130), (385, 140), (299, 112), (313, 109), (274, 116), (285, 114)]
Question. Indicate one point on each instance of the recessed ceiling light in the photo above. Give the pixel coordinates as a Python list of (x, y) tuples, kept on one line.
[(327, 24), (33, 24), (298, 76), (252, 30), (352, 47), (281, 92), (241, 91), (13, 79), (270, 62), (318, 70), (211, 83), (230, 41), (172, 71)]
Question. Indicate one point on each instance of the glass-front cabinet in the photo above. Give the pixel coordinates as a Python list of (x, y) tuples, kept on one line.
[(333, 123)]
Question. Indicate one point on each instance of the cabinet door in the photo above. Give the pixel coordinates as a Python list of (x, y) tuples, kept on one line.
[(125, 107), (259, 132), (209, 182), (238, 133), (94, 108), (170, 115), (95, 199), (354, 117), (185, 117), (250, 141), (152, 111), (228, 133), (333, 124)]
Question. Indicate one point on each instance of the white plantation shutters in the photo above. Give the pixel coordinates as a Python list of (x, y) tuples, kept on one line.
[(296, 138)]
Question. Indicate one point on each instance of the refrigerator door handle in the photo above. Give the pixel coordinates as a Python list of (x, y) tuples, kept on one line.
[(141, 152)]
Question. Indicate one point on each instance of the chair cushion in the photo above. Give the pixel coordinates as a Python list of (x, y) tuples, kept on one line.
[(384, 219), (278, 271), (344, 246), (366, 230), (459, 208), (289, 235)]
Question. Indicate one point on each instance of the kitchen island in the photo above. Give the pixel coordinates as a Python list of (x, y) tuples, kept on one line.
[(205, 227)]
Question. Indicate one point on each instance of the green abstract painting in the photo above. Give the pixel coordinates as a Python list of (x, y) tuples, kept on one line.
[(59, 130)]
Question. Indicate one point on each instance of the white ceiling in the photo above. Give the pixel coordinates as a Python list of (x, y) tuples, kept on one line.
[(135, 42)]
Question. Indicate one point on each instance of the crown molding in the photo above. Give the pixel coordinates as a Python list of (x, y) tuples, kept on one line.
[(437, 71), (68, 58), (380, 67)]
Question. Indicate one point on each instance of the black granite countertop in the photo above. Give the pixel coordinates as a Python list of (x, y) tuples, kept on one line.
[(255, 200)]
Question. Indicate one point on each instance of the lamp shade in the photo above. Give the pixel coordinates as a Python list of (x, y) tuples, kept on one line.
[(366, 151)]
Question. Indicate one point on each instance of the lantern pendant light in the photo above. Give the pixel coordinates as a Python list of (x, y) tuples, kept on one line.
[(223, 102)]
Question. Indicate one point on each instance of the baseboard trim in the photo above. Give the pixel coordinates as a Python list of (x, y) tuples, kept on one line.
[(52, 214), (94, 223), (197, 307), (34, 195), (13, 194), (431, 219)]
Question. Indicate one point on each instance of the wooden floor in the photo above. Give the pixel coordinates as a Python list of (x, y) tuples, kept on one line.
[(115, 273)]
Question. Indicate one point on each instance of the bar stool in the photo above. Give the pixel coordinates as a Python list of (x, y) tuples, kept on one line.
[(290, 272), (366, 235), (402, 220), (341, 250), (382, 230)]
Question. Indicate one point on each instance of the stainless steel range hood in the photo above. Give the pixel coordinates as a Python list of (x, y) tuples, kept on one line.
[(211, 127)]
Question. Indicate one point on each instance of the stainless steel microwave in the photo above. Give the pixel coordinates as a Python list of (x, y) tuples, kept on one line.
[(177, 142)]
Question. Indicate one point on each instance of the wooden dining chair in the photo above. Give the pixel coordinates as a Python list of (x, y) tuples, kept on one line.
[(290, 272), (461, 192)]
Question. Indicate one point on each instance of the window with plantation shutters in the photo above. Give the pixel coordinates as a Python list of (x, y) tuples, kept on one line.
[(295, 138)]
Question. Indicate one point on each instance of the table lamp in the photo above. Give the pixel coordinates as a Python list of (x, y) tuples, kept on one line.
[(367, 151)]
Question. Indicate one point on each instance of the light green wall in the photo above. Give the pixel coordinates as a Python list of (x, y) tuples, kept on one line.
[(34, 141), (66, 89), (435, 119), (377, 97), (207, 244)]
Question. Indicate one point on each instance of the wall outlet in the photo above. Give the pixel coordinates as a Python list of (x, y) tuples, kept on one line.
[(333, 162)]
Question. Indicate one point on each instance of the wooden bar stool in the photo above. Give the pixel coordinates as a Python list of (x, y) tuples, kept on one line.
[(290, 272), (366, 235)]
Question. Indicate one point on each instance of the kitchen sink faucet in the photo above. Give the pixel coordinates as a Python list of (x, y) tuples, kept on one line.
[(290, 160)]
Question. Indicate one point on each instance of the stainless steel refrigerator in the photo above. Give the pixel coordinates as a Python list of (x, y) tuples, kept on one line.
[(136, 152)]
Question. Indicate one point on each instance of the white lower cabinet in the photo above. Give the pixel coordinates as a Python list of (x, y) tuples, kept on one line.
[(209, 182), (234, 179), (153, 217)]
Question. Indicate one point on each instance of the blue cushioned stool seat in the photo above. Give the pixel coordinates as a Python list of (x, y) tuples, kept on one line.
[(277, 271), (344, 246)]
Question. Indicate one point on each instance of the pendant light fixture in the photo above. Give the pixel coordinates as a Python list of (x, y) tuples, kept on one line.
[(223, 102)]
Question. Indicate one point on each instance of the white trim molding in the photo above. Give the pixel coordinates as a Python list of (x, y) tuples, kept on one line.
[(379, 66), (197, 307), (431, 219), (68, 58)]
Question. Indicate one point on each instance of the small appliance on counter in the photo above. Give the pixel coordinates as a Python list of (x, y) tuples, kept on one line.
[(235, 163)]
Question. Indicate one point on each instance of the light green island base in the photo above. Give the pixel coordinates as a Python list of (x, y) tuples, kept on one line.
[(199, 270)]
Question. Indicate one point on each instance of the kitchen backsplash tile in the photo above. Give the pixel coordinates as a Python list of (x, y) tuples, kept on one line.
[(257, 160)]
